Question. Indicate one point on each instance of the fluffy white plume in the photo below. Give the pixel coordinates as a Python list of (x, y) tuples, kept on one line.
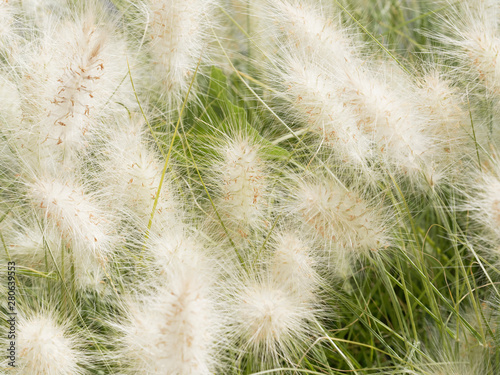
[(272, 320), (6, 21), (340, 216), (293, 266), (10, 102), (133, 173), (177, 30), (242, 178), (48, 348), (71, 82), (484, 205), (341, 222), (30, 243), (174, 331), (475, 40), (42, 12), (86, 227), (363, 103), (311, 91), (302, 27), (442, 111)]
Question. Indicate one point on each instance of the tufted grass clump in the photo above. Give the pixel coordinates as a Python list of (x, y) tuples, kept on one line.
[(249, 187)]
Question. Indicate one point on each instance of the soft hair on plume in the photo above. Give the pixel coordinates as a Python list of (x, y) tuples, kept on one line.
[(241, 176), (307, 40), (177, 33), (174, 330), (294, 263), (473, 38), (275, 303), (10, 106), (272, 322), (71, 82), (66, 80), (442, 110), (42, 12), (309, 91), (45, 345), (6, 24), (375, 103), (31, 242), (131, 171), (339, 219), (86, 227), (442, 106), (484, 206)]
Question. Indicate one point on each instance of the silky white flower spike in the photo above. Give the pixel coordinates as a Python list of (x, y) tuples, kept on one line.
[(46, 347), (311, 44), (442, 105), (300, 25), (179, 248), (175, 330), (293, 265), (86, 227), (442, 110), (375, 98), (33, 243), (272, 320), (484, 206), (382, 102), (10, 103), (342, 219), (241, 175), (177, 32), (474, 39), (312, 95), (71, 82), (133, 172)]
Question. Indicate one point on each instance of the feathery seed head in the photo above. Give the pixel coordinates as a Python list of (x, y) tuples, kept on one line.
[(133, 173), (43, 11), (272, 320), (312, 93), (47, 348), (86, 228), (303, 27), (75, 213), (475, 42), (28, 242), (67, 82), (485, 205), (482, 47), (441, 102), (357, 106), (293, 266), (6, 20), (446, 121), (241, 176), (173, 332), (340, 217), (177, 31), (385, 113)]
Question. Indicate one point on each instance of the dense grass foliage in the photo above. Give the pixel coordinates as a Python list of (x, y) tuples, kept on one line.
[(194, 187)]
